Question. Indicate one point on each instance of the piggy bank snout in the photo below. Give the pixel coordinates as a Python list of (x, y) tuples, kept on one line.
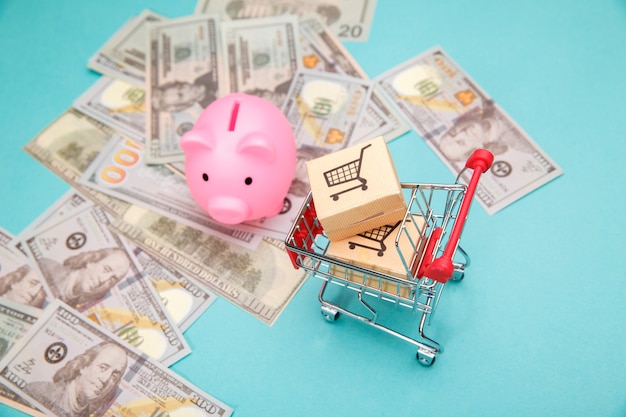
[(228, 210)]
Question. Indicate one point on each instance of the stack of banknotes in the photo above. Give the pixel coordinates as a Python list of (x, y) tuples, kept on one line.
[(96, 293)]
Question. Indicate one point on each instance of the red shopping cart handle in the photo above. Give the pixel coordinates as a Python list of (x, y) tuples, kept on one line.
[(442, 268), (480, 159)]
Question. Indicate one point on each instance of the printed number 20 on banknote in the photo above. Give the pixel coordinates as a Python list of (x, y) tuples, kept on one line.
[(455, 117)]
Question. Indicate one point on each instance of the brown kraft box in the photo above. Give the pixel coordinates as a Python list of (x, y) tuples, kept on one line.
[(356, 189)]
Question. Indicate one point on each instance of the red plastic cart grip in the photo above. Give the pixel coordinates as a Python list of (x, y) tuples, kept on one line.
[(429, 252), (442, 268)]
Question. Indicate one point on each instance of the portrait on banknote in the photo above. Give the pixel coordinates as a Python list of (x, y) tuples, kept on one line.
[(23, 285), (85, 278), (484, 128), (177, 96), (85, 385), (275, 95), (68, 366), (182, 78)]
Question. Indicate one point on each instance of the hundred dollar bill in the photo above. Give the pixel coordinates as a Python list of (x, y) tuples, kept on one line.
[(92, 269), (105, 66), (15, 320), (261, 56), (324, 109), (261, 282), (323, 51), (183, 77), (378, 119), (117, 104), (123, 56), (20, 281), (455, 116), (67, 367), (67, 146), (184, 300), (66, 204), (120, 172), (349, 19)]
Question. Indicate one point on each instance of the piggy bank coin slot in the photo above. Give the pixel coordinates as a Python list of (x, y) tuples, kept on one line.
[(233, 116)]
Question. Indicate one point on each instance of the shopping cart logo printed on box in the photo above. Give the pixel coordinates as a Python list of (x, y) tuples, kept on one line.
[(377, 235), (345, 173)]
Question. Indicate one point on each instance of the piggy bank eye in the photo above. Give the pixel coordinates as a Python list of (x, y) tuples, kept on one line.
[(248, 181), (205, 177)]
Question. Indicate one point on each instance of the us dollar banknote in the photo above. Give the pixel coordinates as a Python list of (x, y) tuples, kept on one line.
[(119, 171), (261, 56), (183, 300), (349, 19), (322, 50), (92, 269), (20, 281), (455, 116), (15, 320), (68, 366), (324, 108), (118, 104), (71, 143), (67, 146), (183, 77), (66, 204), (123, 56), (261, 282)]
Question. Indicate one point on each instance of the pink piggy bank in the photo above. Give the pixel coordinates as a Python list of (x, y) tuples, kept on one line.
[(240, 158)]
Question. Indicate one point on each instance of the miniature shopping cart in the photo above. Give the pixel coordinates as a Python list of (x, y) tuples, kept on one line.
[(432, 226), (346, 173)]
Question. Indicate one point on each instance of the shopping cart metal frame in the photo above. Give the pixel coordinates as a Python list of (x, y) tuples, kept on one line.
[(436, 215)]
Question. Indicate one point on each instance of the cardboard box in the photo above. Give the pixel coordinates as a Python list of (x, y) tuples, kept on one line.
[(377, 284), (375, 249), (356, 189)]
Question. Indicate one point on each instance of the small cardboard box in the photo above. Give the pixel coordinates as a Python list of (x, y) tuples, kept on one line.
[(356, 189), (375, 283), (375, 249)]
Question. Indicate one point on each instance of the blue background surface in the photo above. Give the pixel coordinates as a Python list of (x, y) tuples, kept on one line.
[(537, 326)]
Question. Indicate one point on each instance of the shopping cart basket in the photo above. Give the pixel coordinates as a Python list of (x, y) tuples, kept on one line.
[(432, 225), (346, 173)]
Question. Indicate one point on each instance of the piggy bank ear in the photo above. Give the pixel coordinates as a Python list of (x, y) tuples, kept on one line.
[(258, 146), (195, 140)]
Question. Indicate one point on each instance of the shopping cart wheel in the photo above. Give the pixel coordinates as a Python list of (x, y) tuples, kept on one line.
[(426, 358), (329, 313)]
